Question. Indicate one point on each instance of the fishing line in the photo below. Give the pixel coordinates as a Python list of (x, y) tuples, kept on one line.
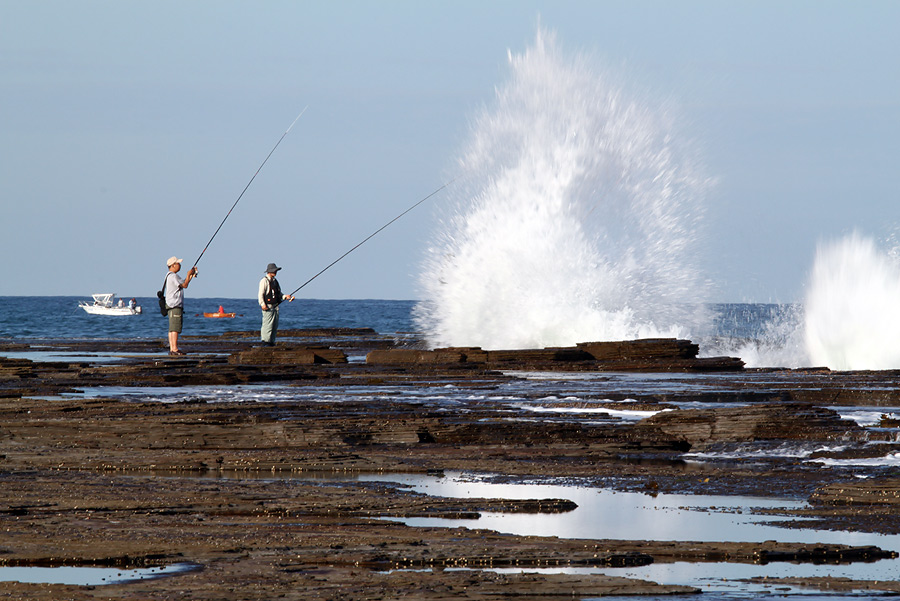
[(248, 185), (372, 235)]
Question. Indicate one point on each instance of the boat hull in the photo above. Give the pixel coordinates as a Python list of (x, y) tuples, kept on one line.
[(119, 311)]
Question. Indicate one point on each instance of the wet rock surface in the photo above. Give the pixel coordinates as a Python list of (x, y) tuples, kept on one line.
[(785, 421), (247, 489)]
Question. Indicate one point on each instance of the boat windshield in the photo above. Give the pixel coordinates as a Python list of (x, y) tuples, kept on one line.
[(104, 299)]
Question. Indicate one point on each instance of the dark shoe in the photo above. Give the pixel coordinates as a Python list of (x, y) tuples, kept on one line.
[(177, 353)]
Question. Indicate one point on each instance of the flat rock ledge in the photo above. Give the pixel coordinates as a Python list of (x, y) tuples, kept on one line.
[(302, 355), (663, 354), (882, 492), (783, 421)]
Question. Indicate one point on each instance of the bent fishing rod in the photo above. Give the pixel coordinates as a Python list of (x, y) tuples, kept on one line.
[(372, 235), (248, 185)]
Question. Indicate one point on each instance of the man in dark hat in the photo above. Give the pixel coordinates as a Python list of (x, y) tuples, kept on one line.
[(270, 297)]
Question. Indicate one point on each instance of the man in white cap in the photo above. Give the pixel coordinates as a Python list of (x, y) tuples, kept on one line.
[(175, 300), (270, 297)]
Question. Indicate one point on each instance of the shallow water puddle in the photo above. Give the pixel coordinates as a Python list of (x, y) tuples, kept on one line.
[(58, 356), (724, 581), (604, 514), (89, 576), (618, 515)]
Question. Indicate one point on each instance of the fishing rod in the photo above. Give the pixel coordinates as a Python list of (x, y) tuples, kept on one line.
[(248, 185), (372, 235)]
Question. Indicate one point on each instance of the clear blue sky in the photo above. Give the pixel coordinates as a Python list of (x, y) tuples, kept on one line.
[(130, 128)]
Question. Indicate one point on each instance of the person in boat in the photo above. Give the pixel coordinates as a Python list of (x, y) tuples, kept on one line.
[(270, 297), (175, 286), (133, 303)]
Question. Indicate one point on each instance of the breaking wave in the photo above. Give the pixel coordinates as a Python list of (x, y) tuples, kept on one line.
[(575, 216), (852, 306)]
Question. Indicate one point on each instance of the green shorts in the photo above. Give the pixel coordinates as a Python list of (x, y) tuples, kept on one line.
[(175, 318)]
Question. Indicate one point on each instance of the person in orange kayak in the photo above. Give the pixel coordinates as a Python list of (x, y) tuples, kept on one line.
[(270, 297)]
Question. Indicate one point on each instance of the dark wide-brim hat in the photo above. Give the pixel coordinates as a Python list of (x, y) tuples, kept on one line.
[(272, 268)]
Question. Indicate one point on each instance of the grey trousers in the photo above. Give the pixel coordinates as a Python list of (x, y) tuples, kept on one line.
[(269, 325)]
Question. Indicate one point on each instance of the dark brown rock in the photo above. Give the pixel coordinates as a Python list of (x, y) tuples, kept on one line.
[(288, 355), (632, 355), (884, 492), (648, 348), (751, 423), (415, 357)]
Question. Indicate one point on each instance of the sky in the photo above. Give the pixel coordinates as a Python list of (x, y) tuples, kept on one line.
[(129, 129)]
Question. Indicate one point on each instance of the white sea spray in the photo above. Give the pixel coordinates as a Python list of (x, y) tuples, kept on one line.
[(575, 216), (852, 308)]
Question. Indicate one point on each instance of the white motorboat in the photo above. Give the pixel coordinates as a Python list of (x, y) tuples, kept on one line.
[(106, 304)]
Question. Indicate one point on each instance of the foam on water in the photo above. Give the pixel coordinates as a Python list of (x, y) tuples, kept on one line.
[(853, 306), (867, 416), (889, 460), (626, 414), (755, 451), (574, 217)]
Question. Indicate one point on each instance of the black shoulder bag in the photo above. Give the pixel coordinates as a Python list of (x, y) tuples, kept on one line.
[(161, 295)]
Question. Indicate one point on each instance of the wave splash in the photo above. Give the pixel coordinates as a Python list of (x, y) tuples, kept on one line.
[(852, 307), (849, 318), (574, 217)]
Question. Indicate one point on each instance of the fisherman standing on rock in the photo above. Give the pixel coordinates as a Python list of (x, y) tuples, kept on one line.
[(270, 297), (174, 287)]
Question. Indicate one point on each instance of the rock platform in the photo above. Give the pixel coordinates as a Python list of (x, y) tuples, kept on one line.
[(260, 495)]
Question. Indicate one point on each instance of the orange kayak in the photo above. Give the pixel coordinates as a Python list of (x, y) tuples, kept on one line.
[(220, 313)]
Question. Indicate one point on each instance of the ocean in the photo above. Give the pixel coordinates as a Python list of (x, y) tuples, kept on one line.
[(60, 317), (758, 333)]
